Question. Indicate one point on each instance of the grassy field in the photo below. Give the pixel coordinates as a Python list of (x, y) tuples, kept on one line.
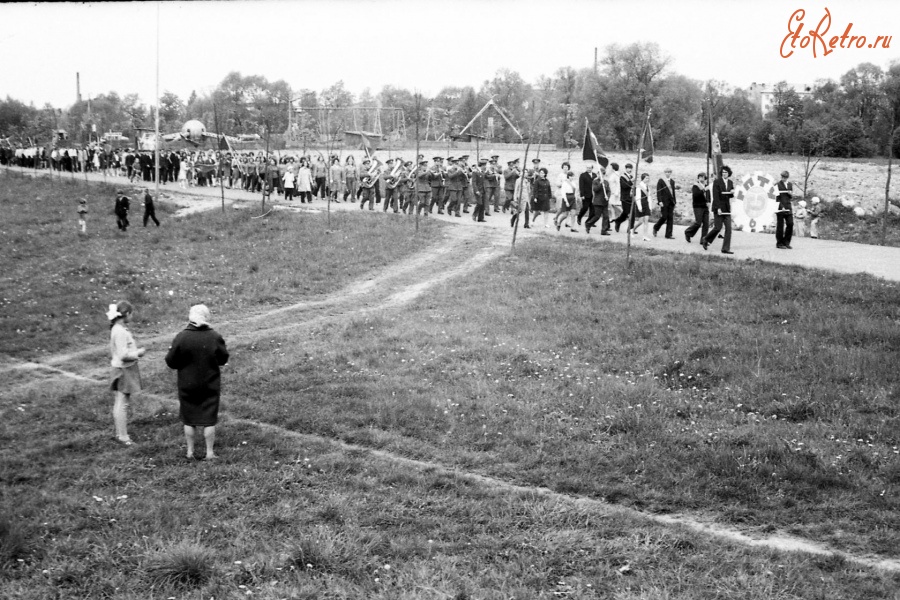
[(57, 284), (757, 396)]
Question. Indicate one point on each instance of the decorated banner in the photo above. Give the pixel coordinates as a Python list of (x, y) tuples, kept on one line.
[(753, 208)]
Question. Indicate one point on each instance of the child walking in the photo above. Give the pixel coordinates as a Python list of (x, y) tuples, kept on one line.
[(800, 215), (82, 215)]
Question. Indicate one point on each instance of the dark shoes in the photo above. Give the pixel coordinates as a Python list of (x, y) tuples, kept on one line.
[(705, 244), (727, 252), (687, 238)]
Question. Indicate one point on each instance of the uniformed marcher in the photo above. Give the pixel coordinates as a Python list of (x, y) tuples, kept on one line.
[(478, 181), (510, 174)]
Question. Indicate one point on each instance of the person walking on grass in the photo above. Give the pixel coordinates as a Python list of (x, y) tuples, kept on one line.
[(700, 204), (123, 203), (149, 208), (125, 376), (723, 191), (82, 215), (197, 353)]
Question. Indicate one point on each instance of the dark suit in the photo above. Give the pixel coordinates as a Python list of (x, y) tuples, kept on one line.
[(665, 196), (599, 205), (784, 216), (723, 191), (700, 202), (586, 191), (626, 184)]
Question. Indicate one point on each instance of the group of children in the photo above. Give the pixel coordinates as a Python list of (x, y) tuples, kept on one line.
[(122, 206), (807, 216)]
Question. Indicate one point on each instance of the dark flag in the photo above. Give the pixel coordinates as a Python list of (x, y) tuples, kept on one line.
[(591, 150), (223, 143), (647, 155), (367, 145)]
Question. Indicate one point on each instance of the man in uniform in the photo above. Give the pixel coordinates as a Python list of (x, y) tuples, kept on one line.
[(600, 204), (437, 185), (455, 178), (478, 191), (390, 186), (492, 186), (510, 175), (423, 187), (626, 185), (466, 196)]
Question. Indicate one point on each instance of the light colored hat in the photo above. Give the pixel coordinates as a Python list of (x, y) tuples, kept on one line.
[(199, 315), (815, 199), (803, 204), (113, 312)]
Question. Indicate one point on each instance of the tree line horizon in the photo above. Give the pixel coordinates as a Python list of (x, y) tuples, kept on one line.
[(854, 116)]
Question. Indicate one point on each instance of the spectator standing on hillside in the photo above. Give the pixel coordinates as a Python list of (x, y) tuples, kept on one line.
[(149, 208), (125, 376), (784, 214), (197, 353), (665, 197), (123, 203), (700, 204), (723, 191)]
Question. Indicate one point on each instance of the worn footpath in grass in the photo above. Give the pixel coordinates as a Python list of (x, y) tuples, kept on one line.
[(761, 396), (291, 517), (55, 285)]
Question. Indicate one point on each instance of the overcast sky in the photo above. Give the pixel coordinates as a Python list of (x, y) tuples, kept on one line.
[(421, 44)]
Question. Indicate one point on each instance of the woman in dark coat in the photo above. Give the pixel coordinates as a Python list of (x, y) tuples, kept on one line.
[(197, 353)]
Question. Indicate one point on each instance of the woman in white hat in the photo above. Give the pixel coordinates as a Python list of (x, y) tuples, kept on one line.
[(126, 377)]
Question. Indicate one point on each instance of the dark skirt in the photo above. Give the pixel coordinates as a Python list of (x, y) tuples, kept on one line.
[(199, 409), (538, 205), (643, 209), (125, 379)]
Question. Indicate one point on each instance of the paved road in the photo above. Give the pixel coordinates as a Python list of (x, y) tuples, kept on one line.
[(842, 257)]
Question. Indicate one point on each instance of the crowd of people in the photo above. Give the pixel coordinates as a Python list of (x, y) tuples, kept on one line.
[(607, 196)]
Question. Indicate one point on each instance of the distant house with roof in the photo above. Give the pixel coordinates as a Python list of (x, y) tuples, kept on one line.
[(763, 95)]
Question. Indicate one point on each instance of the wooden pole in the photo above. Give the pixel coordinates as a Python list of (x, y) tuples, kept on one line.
[(156, 162), (522, 187), (635, 193), (887, 185), (266, 171), (218, 144), (416, 166)]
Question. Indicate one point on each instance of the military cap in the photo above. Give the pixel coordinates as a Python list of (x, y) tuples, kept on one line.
[(482, 161), (464, 157), (437, 158)]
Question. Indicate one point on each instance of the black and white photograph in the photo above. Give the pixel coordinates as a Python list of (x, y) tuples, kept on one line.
[(474, 300)]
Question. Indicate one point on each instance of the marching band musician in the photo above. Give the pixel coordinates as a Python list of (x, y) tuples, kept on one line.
[(437, 185), (367, 184), (465, 196), (510, 174), (455, 179), (406, 187), (479, 178), (492, 176), (391, 180), (423, 187)]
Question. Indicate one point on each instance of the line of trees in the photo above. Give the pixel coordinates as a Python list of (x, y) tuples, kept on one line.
[(851, 117)]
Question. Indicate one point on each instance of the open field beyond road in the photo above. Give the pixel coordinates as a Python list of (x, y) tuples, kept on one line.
[(756, 396)]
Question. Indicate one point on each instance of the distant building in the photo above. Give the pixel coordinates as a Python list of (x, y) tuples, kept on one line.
[(763, 95)]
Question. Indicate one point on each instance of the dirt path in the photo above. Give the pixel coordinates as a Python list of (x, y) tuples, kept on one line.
[(395, 286)]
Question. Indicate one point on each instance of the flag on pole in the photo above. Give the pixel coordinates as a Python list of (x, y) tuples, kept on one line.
[(591, 149), (223, 143), (367, 145), (715, 153), (647, 155)]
